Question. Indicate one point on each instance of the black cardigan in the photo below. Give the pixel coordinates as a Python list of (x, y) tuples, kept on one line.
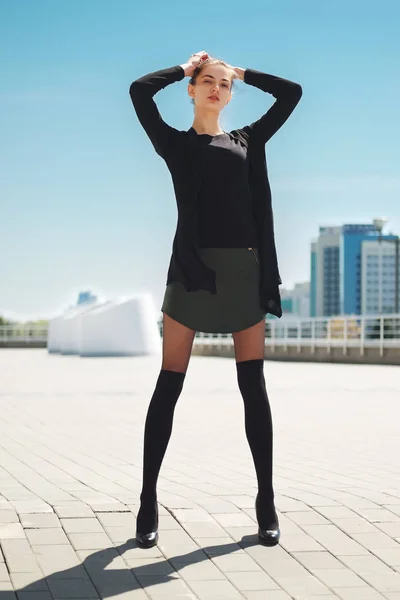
[(182, 152)]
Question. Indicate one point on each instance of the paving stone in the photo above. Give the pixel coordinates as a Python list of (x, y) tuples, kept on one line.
[(150, 566), (201, 530), (138, 594), (217, 546), (8, 516), (337, 512), (282, 567), (198, 571), (119, 535), (82, 525), (380, 515), (235, 562), (215, 590), (166, 523), (298, 543), (393, 508), (54, 551), (383, 582), (38, 537), (390, 556), (59, 569), (336, 541), (71, 588), (19, 555), (335, 578), (5, 586), (28, 506), (305, 585), (373, 541), (365, 563), (74, 511), (317, 560), (234, 520), (118, 519), (362, 593), (89, 541), (41, 521), (307, 517), (62, 563), (256, 580), (114, 581), (35, 581), (272, 595), (41, 595), (11, 531), (4, 574), (111, 507), (155, 587), (289, 527), (193, 515), (243, 534), (392, 529), (286, 504), (358, 525)]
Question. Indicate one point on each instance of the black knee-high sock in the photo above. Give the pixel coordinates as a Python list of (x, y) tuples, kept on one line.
[(157, 432), (259, 433)]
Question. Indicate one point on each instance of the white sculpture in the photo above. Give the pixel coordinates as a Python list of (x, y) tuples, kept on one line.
[(124, 327)]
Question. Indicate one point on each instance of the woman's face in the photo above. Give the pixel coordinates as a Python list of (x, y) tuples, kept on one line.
[(214, 80)]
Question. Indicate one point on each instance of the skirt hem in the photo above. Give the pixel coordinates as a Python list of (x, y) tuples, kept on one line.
[(208, 330)]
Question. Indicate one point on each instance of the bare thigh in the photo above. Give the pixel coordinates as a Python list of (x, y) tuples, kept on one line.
[(250, 343), (177, 345)]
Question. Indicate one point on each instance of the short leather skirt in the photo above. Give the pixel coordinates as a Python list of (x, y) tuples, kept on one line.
[(235, 306)]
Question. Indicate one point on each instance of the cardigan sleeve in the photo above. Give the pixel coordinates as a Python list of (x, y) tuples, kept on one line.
[(141, 92), (287, 94)]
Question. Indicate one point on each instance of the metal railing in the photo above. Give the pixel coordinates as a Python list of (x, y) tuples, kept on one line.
[(382, 331)]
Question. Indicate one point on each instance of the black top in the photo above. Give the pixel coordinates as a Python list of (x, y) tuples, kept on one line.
[(186, 153), (224, 200)]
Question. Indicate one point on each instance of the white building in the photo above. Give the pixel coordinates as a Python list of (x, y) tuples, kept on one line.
[(378, 260), (325, 271), (296, 302)]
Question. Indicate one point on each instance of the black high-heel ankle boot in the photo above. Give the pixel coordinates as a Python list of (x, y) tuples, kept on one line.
[(147, 524), (268, 525)]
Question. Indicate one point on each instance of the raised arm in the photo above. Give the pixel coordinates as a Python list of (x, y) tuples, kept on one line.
[(141, 92), (287, 94)]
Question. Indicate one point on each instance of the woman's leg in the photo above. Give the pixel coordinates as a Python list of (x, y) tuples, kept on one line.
[(177, 345), (249, 352)]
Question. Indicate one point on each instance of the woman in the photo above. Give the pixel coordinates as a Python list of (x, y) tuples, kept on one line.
[(223, 274)]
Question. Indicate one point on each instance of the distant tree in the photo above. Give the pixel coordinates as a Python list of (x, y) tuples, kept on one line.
[(4, 321)]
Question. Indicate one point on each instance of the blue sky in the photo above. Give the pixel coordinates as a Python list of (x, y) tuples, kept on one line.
[(85, 201)]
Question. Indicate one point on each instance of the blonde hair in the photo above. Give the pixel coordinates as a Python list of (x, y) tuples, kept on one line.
[(206, 63)]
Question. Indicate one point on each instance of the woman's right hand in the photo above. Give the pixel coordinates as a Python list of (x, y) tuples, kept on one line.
[(194, 60)]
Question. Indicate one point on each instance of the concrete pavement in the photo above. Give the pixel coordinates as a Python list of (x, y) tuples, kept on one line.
[(71, 434)]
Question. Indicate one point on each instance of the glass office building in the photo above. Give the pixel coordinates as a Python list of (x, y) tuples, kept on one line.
[(345, 278)]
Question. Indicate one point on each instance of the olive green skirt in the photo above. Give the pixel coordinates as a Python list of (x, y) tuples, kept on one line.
[(235, 306)]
